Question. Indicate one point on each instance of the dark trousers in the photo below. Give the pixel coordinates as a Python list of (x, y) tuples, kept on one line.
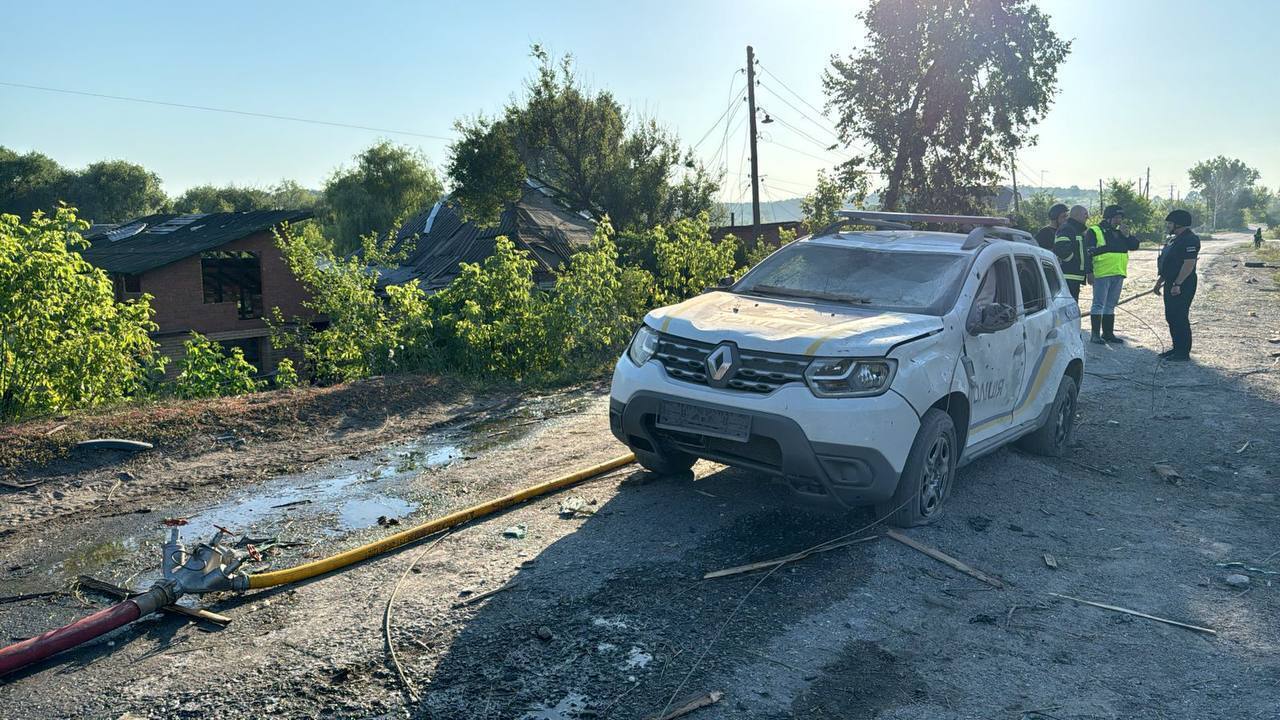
[(1177, 312), (1073, 286)]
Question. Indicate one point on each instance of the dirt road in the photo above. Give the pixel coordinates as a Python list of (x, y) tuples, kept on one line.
[(609, 616)]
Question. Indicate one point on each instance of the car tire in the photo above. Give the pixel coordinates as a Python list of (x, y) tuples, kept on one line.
[(1054, 437), (927, 477), (665, 462)]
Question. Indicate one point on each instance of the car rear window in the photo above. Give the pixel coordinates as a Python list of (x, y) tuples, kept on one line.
[(901, 281)]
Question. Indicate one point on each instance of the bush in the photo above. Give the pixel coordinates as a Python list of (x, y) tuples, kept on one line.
[(286, 374), (207, 370), (65, 342), (688, 261)]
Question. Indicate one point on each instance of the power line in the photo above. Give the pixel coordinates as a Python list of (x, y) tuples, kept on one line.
[(807, 104), (802, 113), (810, 138), (733, 80), (225, 110), (797, 150), (793, 92)]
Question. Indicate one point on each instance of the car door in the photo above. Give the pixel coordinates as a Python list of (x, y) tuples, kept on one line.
[(993, 360), (1037, 318)]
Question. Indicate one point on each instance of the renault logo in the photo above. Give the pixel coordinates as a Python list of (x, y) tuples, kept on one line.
[(721, 362)]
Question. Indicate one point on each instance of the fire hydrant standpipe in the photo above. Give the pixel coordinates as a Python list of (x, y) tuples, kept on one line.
[(211, 561)]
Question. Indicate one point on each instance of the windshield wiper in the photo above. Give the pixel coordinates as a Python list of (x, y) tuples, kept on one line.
[(809, 294)]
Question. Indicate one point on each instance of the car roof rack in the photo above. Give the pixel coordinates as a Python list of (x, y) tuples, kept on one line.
[(985, 226)]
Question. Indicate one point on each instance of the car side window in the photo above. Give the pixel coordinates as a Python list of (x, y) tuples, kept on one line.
[(996, 288), (1032, 284), (1051, 274)]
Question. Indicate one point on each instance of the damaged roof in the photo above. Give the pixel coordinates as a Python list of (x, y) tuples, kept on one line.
[(153, 241), (439, 239)]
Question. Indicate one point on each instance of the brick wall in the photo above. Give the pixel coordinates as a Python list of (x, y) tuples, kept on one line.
[(180, 308)]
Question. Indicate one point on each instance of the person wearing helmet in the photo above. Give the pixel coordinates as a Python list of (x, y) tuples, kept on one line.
[(1046, 234), (1177, 279), (1110, 266)]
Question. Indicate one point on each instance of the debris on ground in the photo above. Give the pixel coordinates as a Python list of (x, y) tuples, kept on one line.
[(385, 521), (694, 703), (484, 595), (1135, 613), (1168, 473), (295, 503), (766, 564), (1248, 568), (945, 559), (1236, 580), (544, 633), (1050, 561), (114, 444), (978, 523), (516, 532), (574, 506), (1244, 447)]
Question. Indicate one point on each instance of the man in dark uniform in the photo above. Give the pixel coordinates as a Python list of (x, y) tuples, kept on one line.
[(1046, 234), (1257, 237), (1177, 278), (1072, 248)]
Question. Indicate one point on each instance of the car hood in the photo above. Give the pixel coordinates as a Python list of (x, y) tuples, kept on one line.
[(791, 327)]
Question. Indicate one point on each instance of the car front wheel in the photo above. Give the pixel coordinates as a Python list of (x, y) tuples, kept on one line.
[(664, 461), (927, 477)]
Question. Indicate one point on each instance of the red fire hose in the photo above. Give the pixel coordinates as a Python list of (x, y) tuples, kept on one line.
[(55, 641)]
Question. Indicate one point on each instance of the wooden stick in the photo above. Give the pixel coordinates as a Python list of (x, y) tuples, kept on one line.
[(107, 588), (486, 594), (701, 701), (945, 559), (1135, 613), (766, 564)]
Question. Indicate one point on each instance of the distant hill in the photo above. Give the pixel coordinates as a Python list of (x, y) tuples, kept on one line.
[(773, 211)]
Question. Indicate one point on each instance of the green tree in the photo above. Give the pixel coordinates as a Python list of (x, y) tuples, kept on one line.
[(64, 341), (1226, 184), (213, 199), (1035, 210), (688, 261), (820, 208), (116, 191), (286, 374), (30, 182), (485, 168), (1138, 210), (207, 370), (763, 250), (387, 184), (942, 93), (583, 143), (289, 195)]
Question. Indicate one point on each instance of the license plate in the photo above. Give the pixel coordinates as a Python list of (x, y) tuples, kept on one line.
[(705, 421)]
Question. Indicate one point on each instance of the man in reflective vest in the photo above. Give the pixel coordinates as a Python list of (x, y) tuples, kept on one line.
[(1071, 246), (1110, 250)]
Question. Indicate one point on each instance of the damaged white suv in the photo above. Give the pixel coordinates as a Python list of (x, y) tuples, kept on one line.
[(861, 367)]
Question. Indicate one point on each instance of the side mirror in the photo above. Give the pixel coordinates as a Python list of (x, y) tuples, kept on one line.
[(993, 318), (726, 281)]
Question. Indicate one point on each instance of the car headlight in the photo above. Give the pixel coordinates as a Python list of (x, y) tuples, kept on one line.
[(643, 345), (849, 377)]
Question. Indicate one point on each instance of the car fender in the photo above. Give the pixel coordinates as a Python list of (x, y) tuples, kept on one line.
[(928, 368)]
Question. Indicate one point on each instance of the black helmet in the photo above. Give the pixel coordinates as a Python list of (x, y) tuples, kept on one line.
[(1179, 218), (1057, 210), (1112, 211)]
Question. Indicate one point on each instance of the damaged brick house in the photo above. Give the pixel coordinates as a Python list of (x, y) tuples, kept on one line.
[(218, 274), (439, 239)]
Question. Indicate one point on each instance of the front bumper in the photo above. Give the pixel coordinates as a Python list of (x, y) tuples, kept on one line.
[(847, 451)]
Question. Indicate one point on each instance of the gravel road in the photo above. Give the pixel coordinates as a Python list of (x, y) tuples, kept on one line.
[(608, 615)]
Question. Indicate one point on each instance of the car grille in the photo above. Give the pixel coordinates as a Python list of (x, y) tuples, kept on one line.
[(756, 372)]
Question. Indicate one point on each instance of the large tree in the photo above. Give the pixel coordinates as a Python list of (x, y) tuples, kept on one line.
[(30, 182), (116, 191), (287, 195), (942, 95), (387, 184), (1227, 186), (584, 143)]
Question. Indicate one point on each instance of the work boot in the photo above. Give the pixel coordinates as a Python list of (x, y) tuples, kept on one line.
[(1109, 330), (1094, 321)]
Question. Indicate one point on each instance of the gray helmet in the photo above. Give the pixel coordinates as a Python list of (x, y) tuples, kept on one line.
[(1179, 218), (1057, 210)]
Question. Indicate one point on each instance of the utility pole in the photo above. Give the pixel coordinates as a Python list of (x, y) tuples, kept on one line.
[(755, 160), (1099, 196), (1013, 172), (1147, 195), (1170, 192)]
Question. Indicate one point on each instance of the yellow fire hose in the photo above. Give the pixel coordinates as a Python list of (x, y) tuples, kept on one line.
[(355, 555)]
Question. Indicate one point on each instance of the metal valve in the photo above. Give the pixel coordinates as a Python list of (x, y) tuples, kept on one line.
[(207, 567)]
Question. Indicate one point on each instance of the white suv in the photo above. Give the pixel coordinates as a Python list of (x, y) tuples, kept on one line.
[(861, 367)]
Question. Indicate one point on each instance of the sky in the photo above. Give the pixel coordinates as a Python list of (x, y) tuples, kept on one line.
[(1149, 83)]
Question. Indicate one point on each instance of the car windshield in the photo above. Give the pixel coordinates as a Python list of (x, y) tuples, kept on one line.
[(902, 281)]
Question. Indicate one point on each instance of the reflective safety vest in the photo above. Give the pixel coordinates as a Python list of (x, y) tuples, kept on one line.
[(1108, 264), (1073, 265)]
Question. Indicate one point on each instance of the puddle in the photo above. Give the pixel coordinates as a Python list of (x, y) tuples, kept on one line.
[(568, 708)]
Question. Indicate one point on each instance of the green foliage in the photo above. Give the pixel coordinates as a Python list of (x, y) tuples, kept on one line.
[(763, 250), (818, 209), (64, 341), (1035, 210), (486, 169), (688, 261), (583, 143), (1140, 213), (1265, 207), (207, 370), (1227, 186), (30, 182), (211, 199), (116, 191), (943, 93), (387, 184), (286, 374)]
